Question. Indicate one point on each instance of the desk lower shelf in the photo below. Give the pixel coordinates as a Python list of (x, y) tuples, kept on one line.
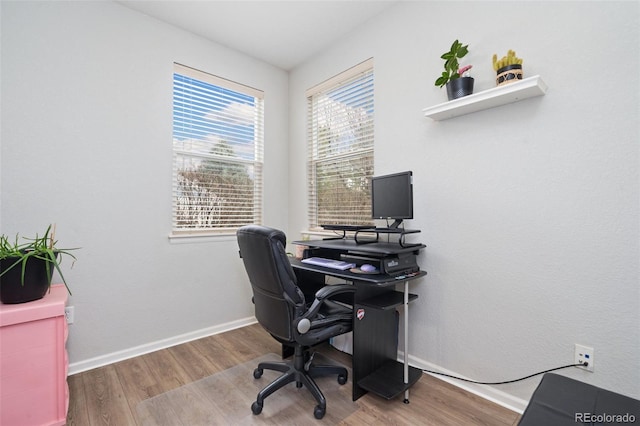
[(388, 300), (388, 380)]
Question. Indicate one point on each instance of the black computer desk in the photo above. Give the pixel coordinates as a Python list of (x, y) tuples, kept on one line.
[(375, 320)]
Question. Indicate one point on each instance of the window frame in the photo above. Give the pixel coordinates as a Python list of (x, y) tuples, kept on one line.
[(256, 163), (365, 153)]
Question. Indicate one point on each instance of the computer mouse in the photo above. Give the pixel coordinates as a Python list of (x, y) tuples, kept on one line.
[(367, 268)]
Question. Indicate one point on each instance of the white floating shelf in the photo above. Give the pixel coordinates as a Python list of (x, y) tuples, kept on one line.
[(497, 96)]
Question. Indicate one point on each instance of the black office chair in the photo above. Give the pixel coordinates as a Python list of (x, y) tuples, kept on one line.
[(280, 308)]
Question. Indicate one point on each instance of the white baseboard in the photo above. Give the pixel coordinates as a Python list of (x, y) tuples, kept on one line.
[(489, 393), (100, 361), (501, 398)]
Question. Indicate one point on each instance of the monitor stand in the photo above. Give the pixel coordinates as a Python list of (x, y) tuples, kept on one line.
[(395, 224), (393, 229)]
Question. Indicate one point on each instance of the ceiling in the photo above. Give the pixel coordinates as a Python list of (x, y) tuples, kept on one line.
[(281, 33)]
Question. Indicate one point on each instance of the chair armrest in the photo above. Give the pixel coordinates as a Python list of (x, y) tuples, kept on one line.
[(329, 291), (303, 324)]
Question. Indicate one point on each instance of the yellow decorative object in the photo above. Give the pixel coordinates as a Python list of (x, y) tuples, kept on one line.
[(508, 68), (510, 59)]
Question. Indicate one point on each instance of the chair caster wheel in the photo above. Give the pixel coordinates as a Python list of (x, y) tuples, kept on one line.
[(318, 413), (257, 373), (256, 408), (342, 379), (406, 401)]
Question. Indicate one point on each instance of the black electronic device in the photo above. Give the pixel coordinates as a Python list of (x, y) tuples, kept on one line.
[(360, 260), (392, 197), (402, 263), (396, 264), (335, 227)]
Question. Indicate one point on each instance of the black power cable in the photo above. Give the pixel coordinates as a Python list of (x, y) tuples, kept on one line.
[(508, 381)]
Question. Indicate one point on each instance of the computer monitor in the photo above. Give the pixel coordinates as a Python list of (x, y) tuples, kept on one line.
[(392, 197)]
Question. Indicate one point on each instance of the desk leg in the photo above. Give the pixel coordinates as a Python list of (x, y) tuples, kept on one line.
[(406, 340)]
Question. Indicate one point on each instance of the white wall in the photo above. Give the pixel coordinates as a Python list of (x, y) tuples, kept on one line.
[(86, 143), (529, 211)]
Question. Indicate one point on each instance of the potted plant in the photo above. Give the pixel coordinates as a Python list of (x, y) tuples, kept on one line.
[(26, 268), (508, 68), (455, 78)]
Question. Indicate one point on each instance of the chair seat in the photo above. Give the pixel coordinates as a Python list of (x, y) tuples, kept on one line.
[(332, 313)]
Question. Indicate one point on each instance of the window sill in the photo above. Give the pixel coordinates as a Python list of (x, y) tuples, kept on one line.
[(317, 234), (201, 237)]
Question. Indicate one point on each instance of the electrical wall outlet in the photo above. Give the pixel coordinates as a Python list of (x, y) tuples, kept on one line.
[(69, 314), (584, 355)]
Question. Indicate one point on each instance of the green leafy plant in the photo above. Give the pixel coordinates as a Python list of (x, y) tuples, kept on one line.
[(43, 248), (451, 66)]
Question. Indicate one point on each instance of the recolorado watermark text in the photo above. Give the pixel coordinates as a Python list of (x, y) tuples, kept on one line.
[(604, 418)]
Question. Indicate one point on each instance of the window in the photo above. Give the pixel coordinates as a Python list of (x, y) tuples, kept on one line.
[(340, 148), (217, 146)]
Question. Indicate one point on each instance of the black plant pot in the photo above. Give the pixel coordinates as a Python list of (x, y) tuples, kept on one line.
[(37, 278), (459, 87)]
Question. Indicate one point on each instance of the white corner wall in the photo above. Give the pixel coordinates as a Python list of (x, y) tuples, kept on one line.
[(87, 144), (529, 211)]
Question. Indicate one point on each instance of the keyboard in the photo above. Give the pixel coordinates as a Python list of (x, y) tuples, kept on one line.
[(331, 227), (329, 263)]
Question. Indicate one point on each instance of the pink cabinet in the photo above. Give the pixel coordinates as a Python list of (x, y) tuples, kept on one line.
[(33, 361)]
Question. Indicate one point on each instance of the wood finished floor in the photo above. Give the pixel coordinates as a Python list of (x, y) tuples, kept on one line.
[(109, 395)]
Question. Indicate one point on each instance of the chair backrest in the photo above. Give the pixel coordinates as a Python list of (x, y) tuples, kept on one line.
[(272, 279)]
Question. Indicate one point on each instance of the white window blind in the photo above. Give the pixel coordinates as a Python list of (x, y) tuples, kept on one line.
[(218, 153), (340, 148)]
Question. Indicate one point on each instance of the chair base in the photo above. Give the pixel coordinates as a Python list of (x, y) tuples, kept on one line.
[(302, 373)]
